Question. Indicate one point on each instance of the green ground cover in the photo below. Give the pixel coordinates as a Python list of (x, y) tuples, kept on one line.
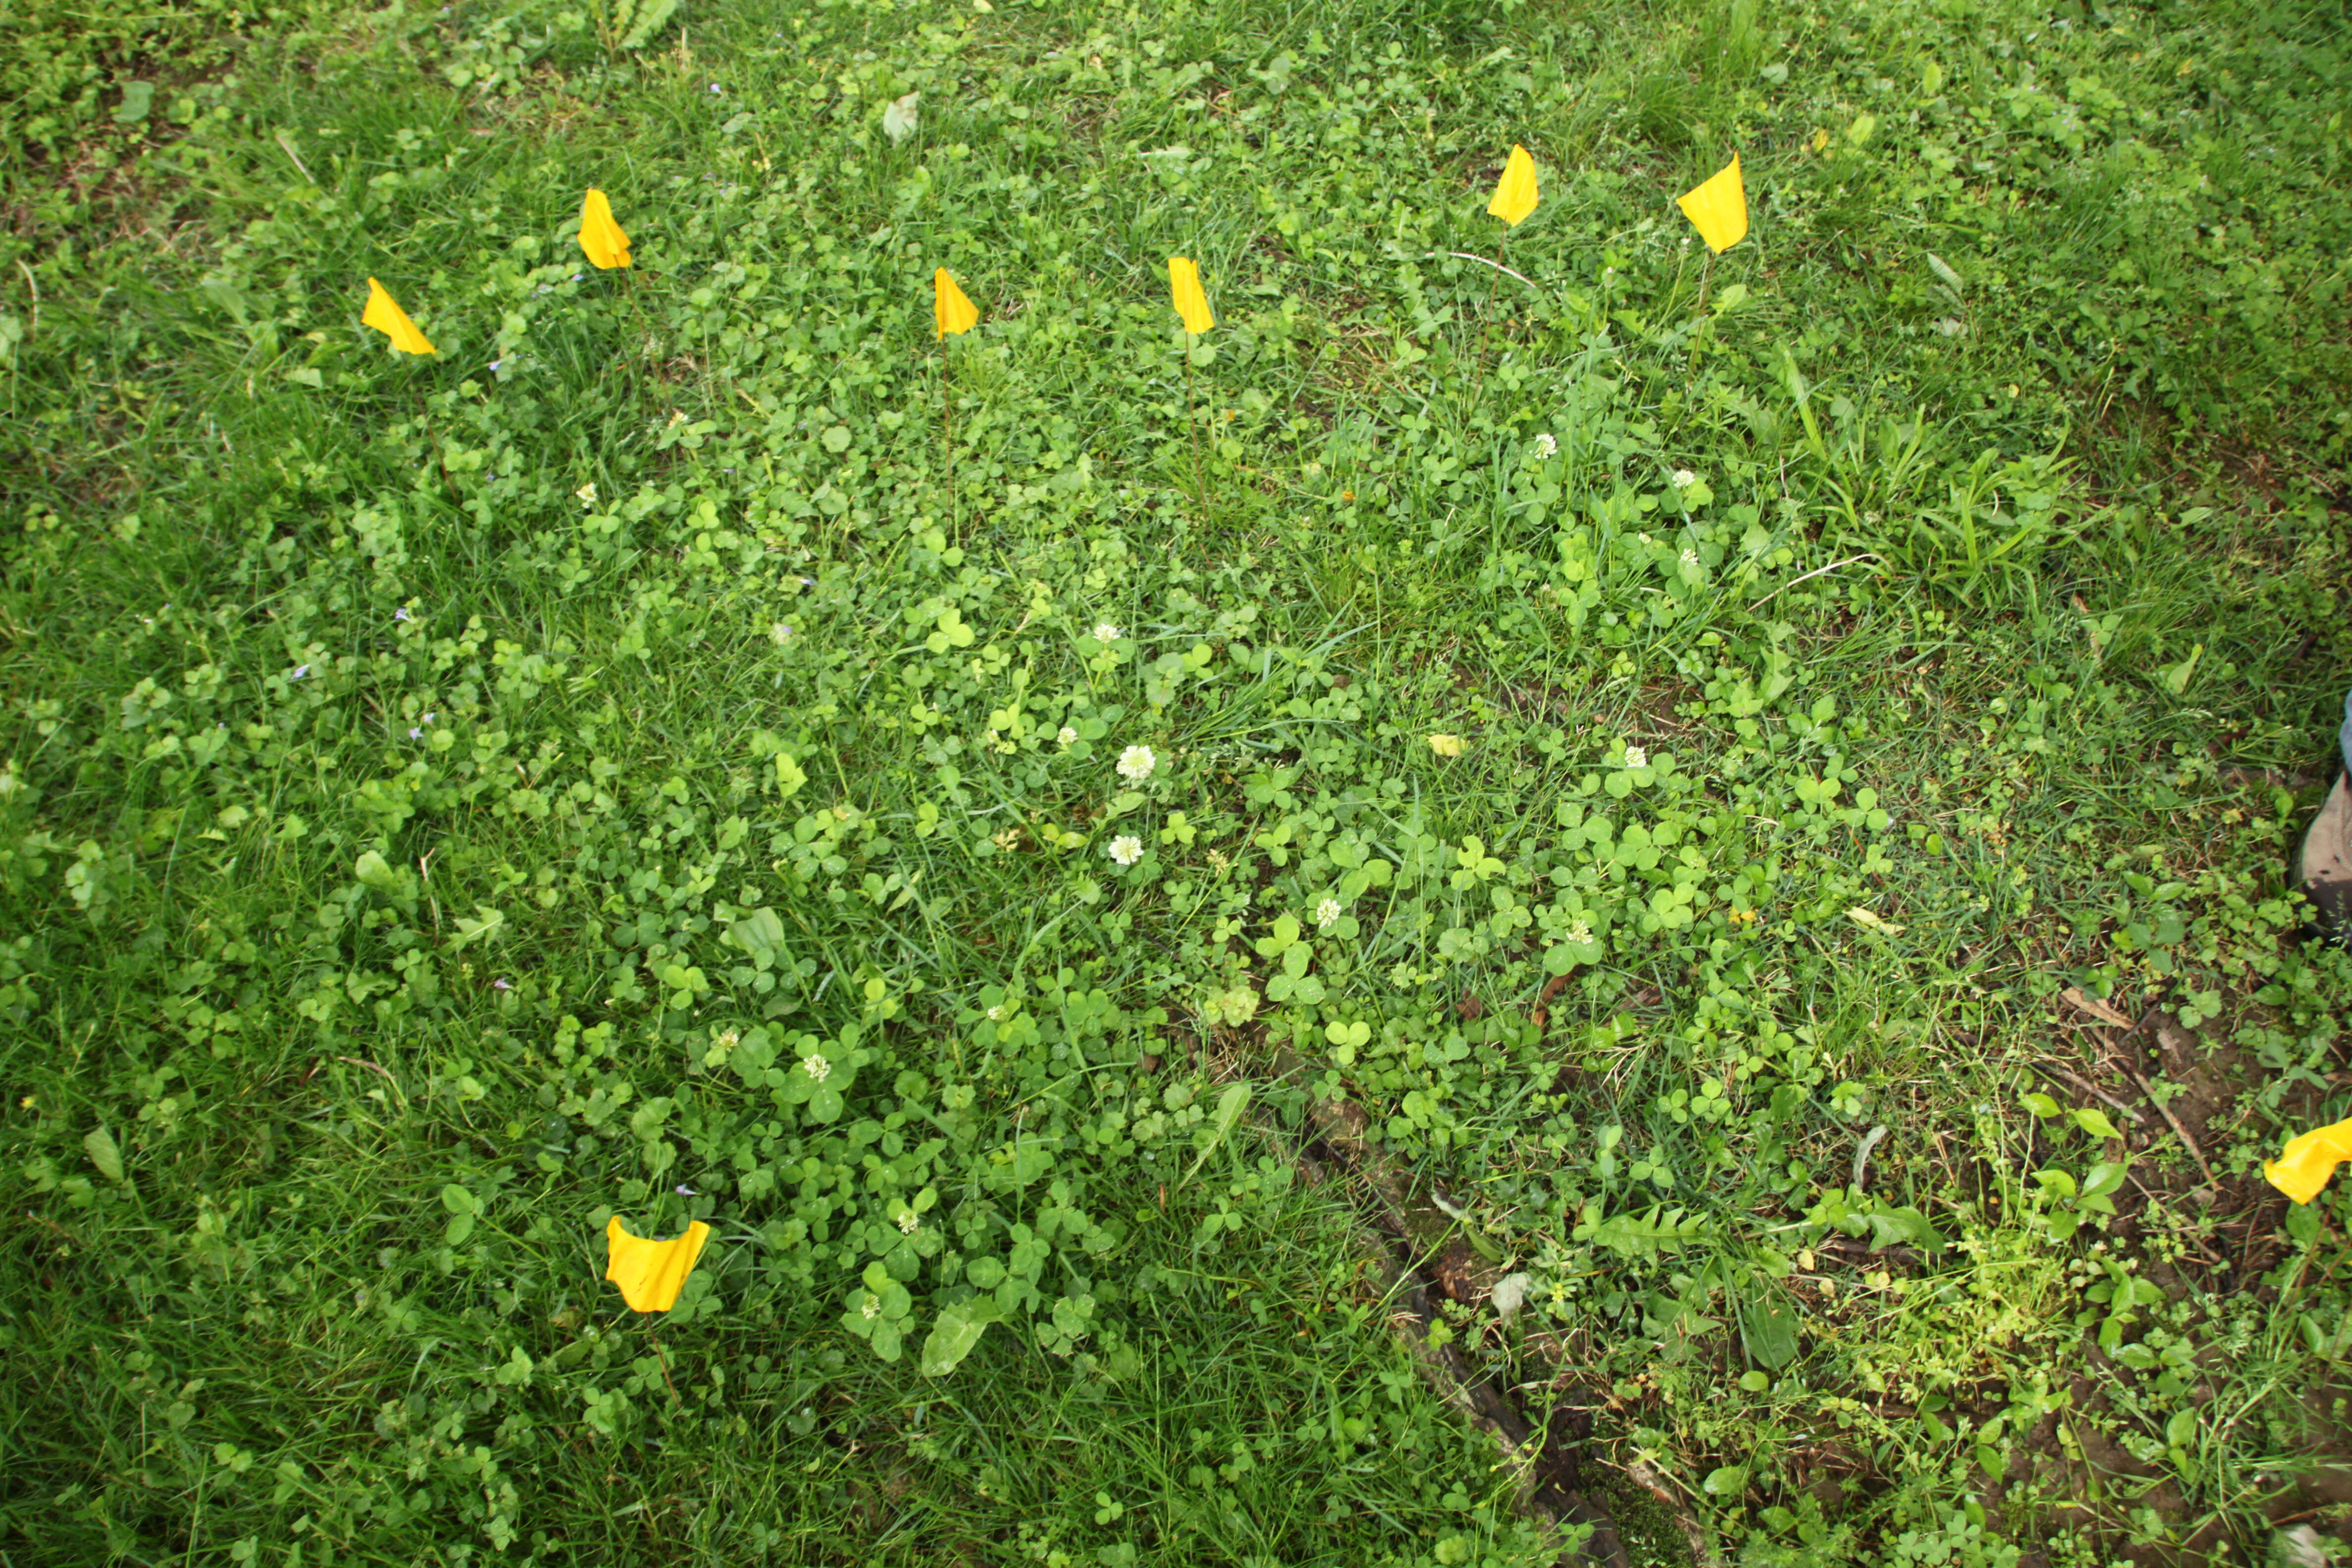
[(603, 769)]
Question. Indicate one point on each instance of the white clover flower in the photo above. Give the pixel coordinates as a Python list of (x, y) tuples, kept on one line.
[(909, 1224), (996, 1014), (730, 1039), (1126, 850), (1104, 632), (1645, 539), (1136, 762), (587, 493), (1066, 735), (816, 1067), (1684, 479), (1546, 446), (1580, 932), (1326, 915), (1690, 558), (1637, 757), (872, 1307)]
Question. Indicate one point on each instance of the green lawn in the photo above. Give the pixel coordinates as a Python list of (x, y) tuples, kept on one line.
[(1845, 979)]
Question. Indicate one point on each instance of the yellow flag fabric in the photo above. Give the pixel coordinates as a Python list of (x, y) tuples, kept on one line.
[(1718, 208), (1184, 292), (385, 314), (2304, 1167), (651, 1273), (1515, 193), (604, 239), (951, 311)]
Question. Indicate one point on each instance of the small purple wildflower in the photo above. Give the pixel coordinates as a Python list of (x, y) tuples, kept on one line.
[(685, 1191), (300, 671)]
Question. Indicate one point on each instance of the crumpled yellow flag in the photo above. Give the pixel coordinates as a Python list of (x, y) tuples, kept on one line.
[(651, 1273), (604, 239), (2304, 1167), (950, 309), (1184, 292), (1515, 193), (1718, 208), (385, 314)]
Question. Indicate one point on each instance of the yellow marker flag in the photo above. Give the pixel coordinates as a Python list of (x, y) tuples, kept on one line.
[(1184, 292), (2304, 1167), (386, 316), (951, 311), (606, 242), (1515, 193), (1718, 208), (651, 1273)]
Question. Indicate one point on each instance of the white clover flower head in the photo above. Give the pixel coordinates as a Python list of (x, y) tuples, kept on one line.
[(1326, 915), (730, 1039), (1066, 735), (816, 1067), (1547, 446), (872, 1305), (1684, 479), (587, 493), (1690, 558), (909, 1224), (1580, 932), (1136, 762), (1637, 757), (1126, 849), (996, 1014), (1645, 539), (1104, 632)]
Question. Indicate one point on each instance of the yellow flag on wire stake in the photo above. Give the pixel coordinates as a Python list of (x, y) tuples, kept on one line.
[(1718, 207), (1184, 294), (951, 311), (603, 238), (2307, 1162), (385, 314), (1192, 310), (651, 1273), (1515, 193)]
